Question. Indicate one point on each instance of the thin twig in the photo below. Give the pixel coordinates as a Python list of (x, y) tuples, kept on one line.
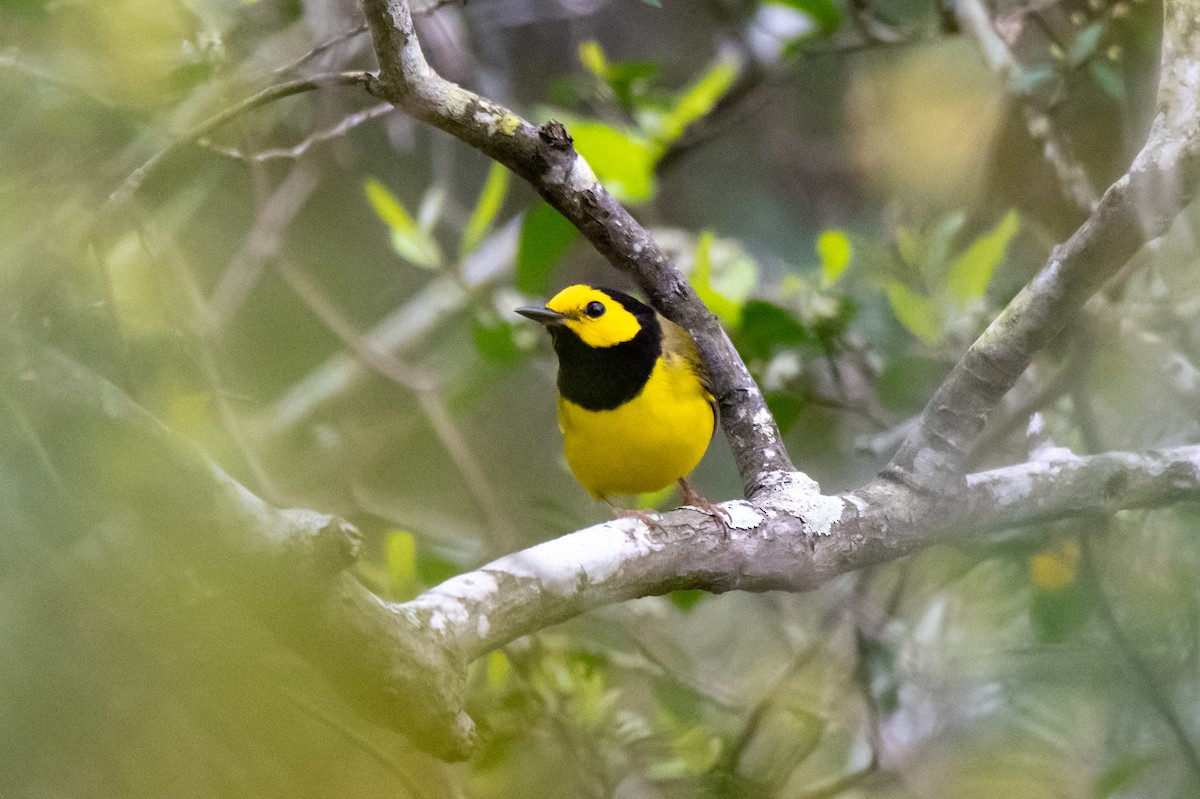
[(441, 299), (386, 364), (346, 36), (137, 177), (160, 243), (709, 690), (973, 16), (356, 739), (1081, 400), (1150, 682), (321, 48), (14, 64), (750, 92), (275, 214), (868, 632), (1092, 582), (41, 455), (347, 124)]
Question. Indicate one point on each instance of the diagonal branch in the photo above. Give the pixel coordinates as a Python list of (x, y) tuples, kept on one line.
[(974, 18), (1137, 208), (403, 664), (545, 157), (428, 398), (134, 180), (789, 536)]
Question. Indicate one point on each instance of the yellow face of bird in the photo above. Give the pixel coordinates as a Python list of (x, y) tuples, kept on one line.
[(598, 319)]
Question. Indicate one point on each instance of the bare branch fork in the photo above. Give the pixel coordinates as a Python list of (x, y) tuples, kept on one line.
[(403, 664), (788, 535), (544, 156), (266, 96)]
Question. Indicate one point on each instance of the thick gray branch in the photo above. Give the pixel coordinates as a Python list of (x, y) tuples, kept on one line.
[(790, 538), (403, 664), (1137, 208), (545, 157)]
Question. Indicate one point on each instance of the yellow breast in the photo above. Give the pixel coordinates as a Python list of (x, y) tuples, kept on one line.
[(645, 444)]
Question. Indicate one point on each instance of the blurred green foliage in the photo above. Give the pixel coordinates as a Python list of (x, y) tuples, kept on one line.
[(854, 211)]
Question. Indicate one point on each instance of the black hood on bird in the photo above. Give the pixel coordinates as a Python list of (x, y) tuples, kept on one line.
[(603, 378)]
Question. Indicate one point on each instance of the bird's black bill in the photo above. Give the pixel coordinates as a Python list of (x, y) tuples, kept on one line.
[(542, 315)]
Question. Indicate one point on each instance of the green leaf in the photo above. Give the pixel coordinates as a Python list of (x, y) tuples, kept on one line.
[(591, 701), (388, 207), (971, 271), (400, 559), (591, 55), (1025, 81), (546, 235), (880, 657), (786, 407), (655, 3), (1085, 44), (1059, 614), (622, 160), (1121, 777), (765, 326), (694, 751), (825, 13), (628, 79), (701, 279), (723, 275), (828, 328), (409, 240), (497, 341), (686, 599), (432, 568), (497, 669), (937, 245), (908, 244), (915, 312), (490, 200), (1107, 78), (834, 250), (907, 383), (697, 100)]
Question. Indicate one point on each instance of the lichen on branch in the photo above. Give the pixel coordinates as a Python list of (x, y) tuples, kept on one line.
[(546, 158)]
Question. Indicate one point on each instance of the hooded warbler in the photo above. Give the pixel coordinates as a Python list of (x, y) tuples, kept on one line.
[(634, 403)]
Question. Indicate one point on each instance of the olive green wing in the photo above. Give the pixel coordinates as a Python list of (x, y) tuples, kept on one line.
[(678, 342)]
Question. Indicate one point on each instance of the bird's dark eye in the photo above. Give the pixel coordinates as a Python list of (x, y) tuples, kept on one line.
[(594, 308)]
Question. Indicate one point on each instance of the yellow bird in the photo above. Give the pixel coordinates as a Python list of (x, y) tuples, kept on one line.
[(634, 402)]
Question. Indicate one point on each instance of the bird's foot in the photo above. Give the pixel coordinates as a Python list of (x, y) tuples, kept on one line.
[(646, 517), (721, 515)]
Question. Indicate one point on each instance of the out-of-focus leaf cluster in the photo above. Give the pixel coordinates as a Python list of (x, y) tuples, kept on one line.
[(854, 218)]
